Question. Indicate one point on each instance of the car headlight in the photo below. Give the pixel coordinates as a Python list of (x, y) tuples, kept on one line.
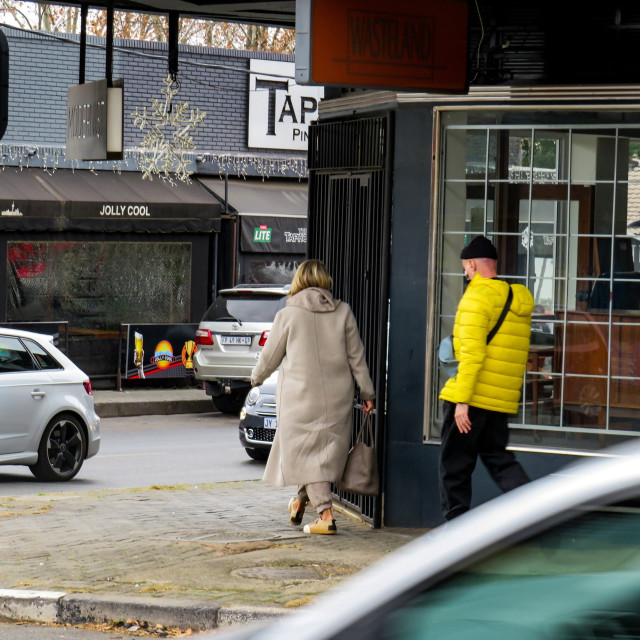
[(253, 395), (243, 413)]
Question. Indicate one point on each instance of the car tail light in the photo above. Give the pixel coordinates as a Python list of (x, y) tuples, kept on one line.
[(203, 336), (263, 338), (87, 387)]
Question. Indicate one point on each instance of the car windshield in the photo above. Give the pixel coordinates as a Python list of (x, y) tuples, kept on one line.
[(245, 307), (580, 579)]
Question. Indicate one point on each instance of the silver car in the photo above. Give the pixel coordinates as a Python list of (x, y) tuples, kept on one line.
[(258, 419), (230, 338), (557, 559), (48, 421)]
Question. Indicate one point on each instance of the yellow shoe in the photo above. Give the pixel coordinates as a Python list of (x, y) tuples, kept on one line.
[(295, 517), (328, 527)]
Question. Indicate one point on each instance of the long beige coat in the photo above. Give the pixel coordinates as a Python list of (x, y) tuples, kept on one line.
[(315, 342)]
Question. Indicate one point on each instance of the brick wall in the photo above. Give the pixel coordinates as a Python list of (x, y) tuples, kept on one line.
[(42, 67)]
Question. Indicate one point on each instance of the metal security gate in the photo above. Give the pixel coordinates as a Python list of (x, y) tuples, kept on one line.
[(349, 230)]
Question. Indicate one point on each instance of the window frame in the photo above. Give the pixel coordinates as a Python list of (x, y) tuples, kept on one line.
[(566, 127)]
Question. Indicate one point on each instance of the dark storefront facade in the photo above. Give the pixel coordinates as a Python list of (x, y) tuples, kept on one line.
[(96, 246), (550, 173), (96, 250), (267, 226)]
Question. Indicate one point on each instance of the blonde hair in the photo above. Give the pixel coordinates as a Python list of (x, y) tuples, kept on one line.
[(311, 273)]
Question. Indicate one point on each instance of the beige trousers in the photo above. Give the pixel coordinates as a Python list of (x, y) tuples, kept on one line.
[(317, 493)]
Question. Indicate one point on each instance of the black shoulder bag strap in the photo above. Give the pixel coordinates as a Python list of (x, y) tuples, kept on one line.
[(503, 315)]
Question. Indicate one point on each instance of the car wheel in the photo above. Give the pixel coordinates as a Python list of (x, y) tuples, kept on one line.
[(257, 454), (62, 450), (231, 403)]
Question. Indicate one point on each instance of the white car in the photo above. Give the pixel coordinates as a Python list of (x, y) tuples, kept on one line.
[(48, 421), (556, 559)]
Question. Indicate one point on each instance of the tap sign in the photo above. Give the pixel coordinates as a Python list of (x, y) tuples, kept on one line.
[(279, 109)]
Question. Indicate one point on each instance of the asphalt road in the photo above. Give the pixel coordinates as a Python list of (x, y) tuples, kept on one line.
[(143, 451)]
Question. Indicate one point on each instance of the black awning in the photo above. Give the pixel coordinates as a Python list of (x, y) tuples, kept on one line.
[(65, 200), (258, 197), (273, 214)]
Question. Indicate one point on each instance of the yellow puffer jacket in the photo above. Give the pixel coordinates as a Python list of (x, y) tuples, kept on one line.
[(490, 375)]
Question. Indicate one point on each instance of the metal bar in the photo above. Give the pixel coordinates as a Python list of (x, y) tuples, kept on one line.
[(174, 31), (84, 12), (109, 53), (348, 209)]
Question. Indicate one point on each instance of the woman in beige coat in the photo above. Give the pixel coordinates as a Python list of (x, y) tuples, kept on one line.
[(315, 343)]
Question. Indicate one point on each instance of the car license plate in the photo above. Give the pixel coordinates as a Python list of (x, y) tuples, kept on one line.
[(244, 340), (271, 423)]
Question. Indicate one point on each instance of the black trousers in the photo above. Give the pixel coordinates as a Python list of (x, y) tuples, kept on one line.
[(459, 453)]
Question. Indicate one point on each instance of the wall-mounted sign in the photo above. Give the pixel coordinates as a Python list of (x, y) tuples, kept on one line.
[(373, 44), (131, 210), (273, 234), (279, 110), (95, 129)]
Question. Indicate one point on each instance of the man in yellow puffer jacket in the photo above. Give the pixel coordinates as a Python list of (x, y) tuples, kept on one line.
[(486, 388)]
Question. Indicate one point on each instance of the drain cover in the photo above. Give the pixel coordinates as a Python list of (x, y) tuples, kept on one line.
[(279, 573)]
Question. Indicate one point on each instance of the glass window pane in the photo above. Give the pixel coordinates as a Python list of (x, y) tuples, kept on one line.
[(593, 155), (476, 155), (528, 590), (549, 157), (453, 287), (268, 268), (13, 356), (586, 350), (560, 204), (465, 207), (520, 156), (44, 359), (98, 285)]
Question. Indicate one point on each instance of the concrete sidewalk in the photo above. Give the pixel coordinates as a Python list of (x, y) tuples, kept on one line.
[(139, 402), (197, 557)]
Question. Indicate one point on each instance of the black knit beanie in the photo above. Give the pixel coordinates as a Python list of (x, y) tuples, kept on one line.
[(479, 247)]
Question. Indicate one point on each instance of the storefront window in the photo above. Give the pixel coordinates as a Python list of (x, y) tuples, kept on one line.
[(268, 268), (98, 285), (561, 202)]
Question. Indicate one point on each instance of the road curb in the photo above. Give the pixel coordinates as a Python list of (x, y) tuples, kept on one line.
[(63, 608), (36, 606), (232, 615), (144, 408)]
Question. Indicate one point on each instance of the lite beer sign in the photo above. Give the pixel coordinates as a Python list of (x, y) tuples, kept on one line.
[(280, 110), (262, 233)]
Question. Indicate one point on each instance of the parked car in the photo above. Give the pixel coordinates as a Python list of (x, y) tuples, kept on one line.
[(558, 558), (258, 421), (48, 420), (230, 338)]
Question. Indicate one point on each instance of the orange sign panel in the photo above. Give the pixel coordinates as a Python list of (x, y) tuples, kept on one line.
[(402, 44)]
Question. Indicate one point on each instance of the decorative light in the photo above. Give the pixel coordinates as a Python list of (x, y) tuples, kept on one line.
[(167, 154), (52, 157)]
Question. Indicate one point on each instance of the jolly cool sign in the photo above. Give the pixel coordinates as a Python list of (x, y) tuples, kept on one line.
[(132, 210)]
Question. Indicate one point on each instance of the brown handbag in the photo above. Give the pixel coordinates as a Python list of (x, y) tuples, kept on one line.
[(361, 471)]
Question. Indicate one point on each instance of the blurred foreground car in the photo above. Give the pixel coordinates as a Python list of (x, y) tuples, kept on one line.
[(47, 421), (556, 559), (258, 421)]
